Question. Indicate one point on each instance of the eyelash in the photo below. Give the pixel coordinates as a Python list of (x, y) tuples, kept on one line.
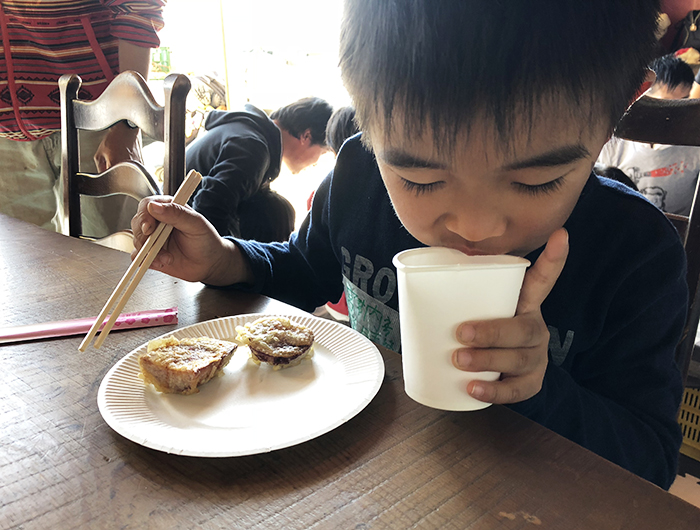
[(419, 189), (541, 189)]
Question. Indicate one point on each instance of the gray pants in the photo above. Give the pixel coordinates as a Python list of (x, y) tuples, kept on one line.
[(30, 187)]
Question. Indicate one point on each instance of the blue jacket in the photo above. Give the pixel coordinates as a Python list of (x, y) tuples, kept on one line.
[(615, 314)]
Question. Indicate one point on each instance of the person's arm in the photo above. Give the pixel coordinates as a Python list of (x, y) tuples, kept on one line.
[(237, 173), (123, 143), (303, 272), (621, 397), (134, 57), (695, 91), (614, 317)]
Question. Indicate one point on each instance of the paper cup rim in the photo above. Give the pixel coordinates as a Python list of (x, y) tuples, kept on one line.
[(466, 262)]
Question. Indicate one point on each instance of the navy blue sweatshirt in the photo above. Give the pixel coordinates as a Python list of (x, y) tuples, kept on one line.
[(240, 153), (615, 314)]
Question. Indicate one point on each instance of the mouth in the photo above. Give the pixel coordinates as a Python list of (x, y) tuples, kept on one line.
[(471, 251)]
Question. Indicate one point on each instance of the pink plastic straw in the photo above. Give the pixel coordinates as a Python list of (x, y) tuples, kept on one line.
[(78, 326)]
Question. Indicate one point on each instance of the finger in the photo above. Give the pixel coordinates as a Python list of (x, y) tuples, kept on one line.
[(510, 390), (100, 163), (524, 331), (167, 212), (541, 277), (144, 222), (512, 361), (163, 259), (180, 217), (137, 153)]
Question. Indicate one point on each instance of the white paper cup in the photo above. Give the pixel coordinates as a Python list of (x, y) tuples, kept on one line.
[(439, 288)]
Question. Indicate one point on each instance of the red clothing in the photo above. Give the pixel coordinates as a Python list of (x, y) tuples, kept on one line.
[(49, 38)]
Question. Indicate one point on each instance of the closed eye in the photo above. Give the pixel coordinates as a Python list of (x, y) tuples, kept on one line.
[(540, 189), (419, 189)]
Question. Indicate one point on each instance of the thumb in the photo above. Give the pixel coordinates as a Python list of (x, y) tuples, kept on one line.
[(165, 212), (100, 163), (180, 217), (541, 277)]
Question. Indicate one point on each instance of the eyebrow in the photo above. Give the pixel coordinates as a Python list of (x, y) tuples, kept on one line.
[(398, 158), (560, 156)]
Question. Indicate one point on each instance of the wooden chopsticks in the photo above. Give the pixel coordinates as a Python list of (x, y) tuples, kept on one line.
[(138, 267)]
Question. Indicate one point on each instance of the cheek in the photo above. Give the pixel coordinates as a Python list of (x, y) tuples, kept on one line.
[(538, 228), (401, 202), (416, 213), (535, 224)]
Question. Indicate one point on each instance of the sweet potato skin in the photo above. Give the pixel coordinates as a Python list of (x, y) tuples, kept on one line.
[(175, 366)]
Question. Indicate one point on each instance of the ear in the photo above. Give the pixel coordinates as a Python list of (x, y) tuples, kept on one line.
[(650, 78), (306, 138), (646, 85)]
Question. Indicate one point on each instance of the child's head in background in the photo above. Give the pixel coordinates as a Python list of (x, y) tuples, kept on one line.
[(674, 78), (341, 126)]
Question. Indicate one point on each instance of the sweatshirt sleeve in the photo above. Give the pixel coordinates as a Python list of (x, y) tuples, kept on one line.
[(237, 174), (137, 21), (305, 271), (621, 395)]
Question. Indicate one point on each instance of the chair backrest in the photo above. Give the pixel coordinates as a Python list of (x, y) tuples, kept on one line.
[(674, 122), (126, 98)]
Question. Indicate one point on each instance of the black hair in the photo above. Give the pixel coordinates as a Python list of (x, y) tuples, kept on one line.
[(341, 126), (307, 113), (266, 216), (672, 71), (444, 64), (615, 173)]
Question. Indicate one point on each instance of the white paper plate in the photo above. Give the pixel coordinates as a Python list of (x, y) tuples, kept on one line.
[(250, 409)]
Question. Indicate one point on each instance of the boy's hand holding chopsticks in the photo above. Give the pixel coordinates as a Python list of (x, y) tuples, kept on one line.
[(140, 264), (194, 252)]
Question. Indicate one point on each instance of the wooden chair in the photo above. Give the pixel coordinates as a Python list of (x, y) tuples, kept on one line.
[(126, 98), (674, 122)]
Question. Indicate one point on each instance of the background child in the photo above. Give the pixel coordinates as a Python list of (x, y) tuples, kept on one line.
[(242, 152), (664, 174), (341, 126), (481, 124)]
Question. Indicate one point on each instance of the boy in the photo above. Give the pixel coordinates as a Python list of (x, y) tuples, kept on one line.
[(341, 126), (674, 78), (481, 124), (242, 153), (664, 174)]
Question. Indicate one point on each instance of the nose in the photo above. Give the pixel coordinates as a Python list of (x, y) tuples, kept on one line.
[(476, 222)]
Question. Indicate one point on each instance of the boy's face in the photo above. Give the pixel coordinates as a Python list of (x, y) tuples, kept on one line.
[(485, 199)]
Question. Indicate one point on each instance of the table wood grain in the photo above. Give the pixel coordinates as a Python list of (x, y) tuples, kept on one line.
[(395, 465)]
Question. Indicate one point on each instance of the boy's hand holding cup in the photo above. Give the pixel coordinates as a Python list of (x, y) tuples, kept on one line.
[(504, 336)]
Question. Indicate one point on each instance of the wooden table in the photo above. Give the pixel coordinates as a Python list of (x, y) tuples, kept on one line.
[(395, 465)]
